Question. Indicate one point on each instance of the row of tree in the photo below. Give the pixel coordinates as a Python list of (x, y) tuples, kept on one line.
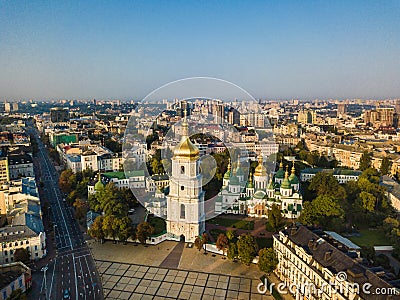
[(244, 248), (119, 228)]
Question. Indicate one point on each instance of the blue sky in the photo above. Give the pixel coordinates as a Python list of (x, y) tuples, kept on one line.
[(273, 49)]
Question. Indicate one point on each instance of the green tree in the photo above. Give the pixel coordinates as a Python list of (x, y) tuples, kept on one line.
[(230, 234), (247, 248), (365, 160), (22, 255), (124, 229), (67, 181), (386, 166), (326, 184), (143, 231), (232, 252), (222, 243), (267, 260), (275, 217), (96, 229), (110, 226), (367, 201), (321, 210)]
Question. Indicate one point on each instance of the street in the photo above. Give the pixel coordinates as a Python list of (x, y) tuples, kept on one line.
[(71, 273)]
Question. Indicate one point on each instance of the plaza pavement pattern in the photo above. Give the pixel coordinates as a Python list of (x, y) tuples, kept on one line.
[(132, 281)]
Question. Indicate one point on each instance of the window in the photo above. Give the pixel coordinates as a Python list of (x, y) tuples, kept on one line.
[(5, 252), (182, 211), (182, 169), (182, 188)]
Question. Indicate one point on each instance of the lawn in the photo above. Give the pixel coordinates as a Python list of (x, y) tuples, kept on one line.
[(370, 237), (215, 233), (158, 224), (239, 224)]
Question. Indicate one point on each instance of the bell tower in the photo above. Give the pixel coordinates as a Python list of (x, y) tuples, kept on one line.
[(185, 202)]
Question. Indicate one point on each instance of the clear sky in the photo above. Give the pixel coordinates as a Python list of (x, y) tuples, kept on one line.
[(273, 49)]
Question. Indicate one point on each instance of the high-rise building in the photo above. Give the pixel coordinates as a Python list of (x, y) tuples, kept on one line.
[(383, 116), (185, 202), (306, 117), (7, 106), (397, 106), (4, 172), (233, 116), (59, 114), (15, 106), (341, 110)]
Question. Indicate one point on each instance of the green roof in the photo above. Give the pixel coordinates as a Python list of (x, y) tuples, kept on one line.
[(234, 180), (227, 174), (293, 179), (119, 175), (286, 184), (99, 185), (280, 173)]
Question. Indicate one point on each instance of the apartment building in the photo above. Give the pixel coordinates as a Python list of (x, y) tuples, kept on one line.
[(14, 276), (313, 268)]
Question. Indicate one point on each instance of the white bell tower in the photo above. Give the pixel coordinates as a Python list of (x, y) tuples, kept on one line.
[(185, 202)]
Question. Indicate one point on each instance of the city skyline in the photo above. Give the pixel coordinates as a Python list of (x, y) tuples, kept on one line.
[(126, 50)]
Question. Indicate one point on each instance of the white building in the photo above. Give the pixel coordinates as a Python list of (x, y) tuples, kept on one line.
[(341, 175), (21, 236), (185, 202), (313, 268)]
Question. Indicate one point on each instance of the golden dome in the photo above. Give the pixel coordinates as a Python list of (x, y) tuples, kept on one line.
[(260, 169), (186, 149)]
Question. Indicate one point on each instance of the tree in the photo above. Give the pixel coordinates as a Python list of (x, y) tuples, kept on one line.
[(275, 217), (197, 243), (267, 260), (124, 229), (143, 231), (232, 251), (365, 160), (321, 210), (326, 184), (204, 240), (110, 226), (96, 229), (386, 165), (247, 248), (67, 181), (222, 243), (367, 201), (230, 234), (81, 208), (22, 255)]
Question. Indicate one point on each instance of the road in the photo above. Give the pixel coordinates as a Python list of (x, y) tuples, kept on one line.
[(73, 267)]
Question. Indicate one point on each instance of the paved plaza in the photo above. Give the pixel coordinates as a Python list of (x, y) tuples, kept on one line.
[(132, 281)]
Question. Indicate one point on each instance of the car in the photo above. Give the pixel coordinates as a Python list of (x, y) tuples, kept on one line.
[(66, 294), (131, 211)]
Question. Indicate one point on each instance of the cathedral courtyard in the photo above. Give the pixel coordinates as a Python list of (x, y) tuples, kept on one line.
[(144, 272)]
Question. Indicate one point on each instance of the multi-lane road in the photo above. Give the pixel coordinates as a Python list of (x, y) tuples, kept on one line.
[(72, 273)]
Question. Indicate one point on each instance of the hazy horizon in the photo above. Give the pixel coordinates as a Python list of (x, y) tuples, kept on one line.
[(274, 50)]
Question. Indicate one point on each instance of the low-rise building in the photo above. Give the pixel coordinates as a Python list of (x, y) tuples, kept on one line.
[(341, 175), (14, 276)]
